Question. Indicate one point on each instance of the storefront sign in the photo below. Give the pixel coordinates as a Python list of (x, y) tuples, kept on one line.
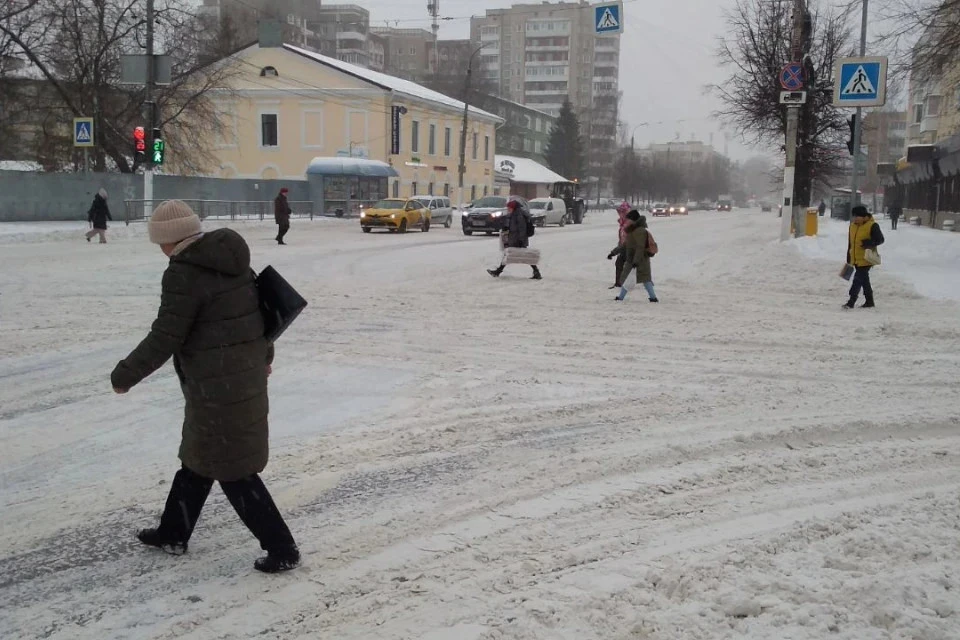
[(507, 166), (395, 130)]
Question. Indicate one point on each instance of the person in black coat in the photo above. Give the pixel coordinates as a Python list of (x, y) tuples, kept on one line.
[(516, 232), (98, 215)]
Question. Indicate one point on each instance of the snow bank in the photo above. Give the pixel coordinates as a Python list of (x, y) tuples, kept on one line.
[(927, 259)]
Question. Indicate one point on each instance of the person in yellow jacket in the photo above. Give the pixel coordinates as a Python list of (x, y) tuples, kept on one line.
[(864, 234)]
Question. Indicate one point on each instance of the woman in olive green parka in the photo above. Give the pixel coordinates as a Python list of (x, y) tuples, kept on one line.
[(636, 247)]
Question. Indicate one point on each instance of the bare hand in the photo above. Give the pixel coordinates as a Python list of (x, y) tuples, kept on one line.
[(269, 370), (120, 391)]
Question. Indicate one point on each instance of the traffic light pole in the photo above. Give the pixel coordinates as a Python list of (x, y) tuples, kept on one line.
[(152, 107), (858, 125)]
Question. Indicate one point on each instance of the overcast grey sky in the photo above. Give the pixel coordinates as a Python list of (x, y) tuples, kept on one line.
[(666, 59)]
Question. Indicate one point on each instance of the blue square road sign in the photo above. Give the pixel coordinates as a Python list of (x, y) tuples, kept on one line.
[(83, 132), (860, 82), (608, 18)]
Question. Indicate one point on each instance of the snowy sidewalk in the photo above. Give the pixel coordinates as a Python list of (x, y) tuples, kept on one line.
[(927, 259)]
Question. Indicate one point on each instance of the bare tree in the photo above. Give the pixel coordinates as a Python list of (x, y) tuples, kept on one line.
[(755, 50), (75, 47), (921, 36)]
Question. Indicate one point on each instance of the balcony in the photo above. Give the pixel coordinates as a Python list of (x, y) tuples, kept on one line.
[(559, 94), (930, 124), (547, 48), (352, 35), (548, 63)]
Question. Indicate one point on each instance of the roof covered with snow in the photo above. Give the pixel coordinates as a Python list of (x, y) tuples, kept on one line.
[(526, 170), (392, 83), (337, 166), (20, 165)]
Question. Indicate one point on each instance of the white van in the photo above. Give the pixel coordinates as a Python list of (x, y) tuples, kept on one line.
[(548, 211), (440, 210)]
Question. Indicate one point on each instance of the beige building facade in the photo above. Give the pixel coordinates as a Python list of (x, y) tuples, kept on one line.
[(286, 106)]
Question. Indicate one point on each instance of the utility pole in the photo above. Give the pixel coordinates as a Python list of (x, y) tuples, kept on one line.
[(152, 111), (463, 127), (789, 212), (858, 126)]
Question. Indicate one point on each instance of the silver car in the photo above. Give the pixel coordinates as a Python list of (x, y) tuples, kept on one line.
[(440, 210)]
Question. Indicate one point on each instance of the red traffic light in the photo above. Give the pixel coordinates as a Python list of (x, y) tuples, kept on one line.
[(139, 139)]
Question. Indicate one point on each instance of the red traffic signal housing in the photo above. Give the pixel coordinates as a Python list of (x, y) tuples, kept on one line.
[(140, 139)]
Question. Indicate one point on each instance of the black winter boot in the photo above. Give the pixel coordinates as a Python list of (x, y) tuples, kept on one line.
[(851, 303), (495, 272), (536, 273), (153, 538), (868, 304), (278, 561)]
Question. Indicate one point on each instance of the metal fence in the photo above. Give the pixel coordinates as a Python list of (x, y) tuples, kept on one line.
[(141, 210)]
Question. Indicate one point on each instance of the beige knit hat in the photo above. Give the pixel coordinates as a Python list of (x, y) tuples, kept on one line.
[(172, 222)]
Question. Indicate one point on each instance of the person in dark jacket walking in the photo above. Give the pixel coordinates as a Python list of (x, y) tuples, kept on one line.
[(210, 324), (864, 234), (517, 229), (97, 216), (822, 209), (895, 208), (281, 213), (636, 248)]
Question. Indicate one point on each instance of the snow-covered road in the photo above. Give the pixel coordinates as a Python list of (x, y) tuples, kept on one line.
[(463, 458)]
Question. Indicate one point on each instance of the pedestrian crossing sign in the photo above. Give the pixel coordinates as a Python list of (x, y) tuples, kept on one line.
[(860, 82), (83, 132), (608, 18)]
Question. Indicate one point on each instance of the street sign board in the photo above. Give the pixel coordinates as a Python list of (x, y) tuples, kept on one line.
[(83, 132), (608, 18), (860, 82), (793, 97), (791, 77)]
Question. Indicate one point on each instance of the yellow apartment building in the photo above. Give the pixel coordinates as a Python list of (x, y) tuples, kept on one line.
[(286, 106)]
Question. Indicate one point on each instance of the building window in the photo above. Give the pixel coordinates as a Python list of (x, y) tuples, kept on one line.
[(446, 142), (446, 190), (415, 137), (430, 189), (432, 142), (486, 190), (413, 189), (473, 193), (269, 134), (396, 189), (476, 138), (917, 113)]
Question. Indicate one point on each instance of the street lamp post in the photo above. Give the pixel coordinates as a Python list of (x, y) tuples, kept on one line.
[(642, 124), (463, 130)]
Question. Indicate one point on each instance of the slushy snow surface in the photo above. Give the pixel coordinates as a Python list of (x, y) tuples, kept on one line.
[(463, 458)]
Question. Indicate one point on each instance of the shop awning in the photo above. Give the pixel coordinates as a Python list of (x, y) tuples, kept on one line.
[(337, 166)]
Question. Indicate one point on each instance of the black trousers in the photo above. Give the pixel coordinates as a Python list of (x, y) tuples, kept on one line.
[(861, 280), (249, 497), (284, 227), (894, 220)]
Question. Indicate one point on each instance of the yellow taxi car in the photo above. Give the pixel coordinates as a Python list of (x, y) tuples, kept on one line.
[(395, 215)]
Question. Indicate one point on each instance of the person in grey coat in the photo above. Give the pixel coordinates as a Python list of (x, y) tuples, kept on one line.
[(517, 229)]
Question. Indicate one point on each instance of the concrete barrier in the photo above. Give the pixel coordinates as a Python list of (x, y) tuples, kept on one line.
[(949, 225), (915, 220)]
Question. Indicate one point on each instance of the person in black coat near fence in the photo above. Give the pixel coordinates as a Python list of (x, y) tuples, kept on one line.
[(97, 216)]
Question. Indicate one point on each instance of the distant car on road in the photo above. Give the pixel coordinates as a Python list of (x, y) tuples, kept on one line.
[(546, 211), (678, 210), (766, 207), (660, 209), (485, 214), (395, 215), (440, 210)]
